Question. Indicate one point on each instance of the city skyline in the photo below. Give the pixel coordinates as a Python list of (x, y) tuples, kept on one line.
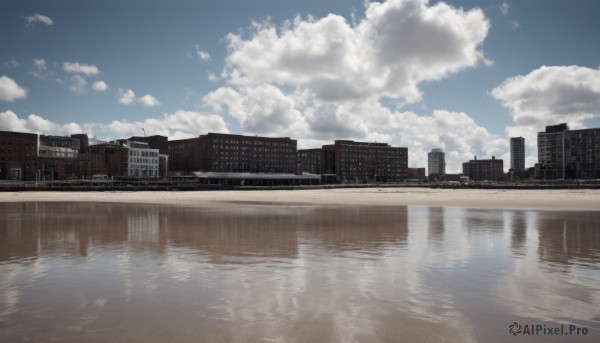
[(464, 76)]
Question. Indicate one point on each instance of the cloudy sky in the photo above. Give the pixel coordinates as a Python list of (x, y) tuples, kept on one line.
[(462, 75)]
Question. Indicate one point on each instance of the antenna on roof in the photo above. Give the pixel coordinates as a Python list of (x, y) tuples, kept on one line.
[(144, 132)]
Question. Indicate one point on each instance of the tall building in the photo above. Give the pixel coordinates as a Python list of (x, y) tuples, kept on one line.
[(217, 152), (568, 154), (365, 162), (484, 170), (551, 162), (517, 153), (436, 163)]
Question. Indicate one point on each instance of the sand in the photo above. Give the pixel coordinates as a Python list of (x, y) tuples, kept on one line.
[(570, 200)]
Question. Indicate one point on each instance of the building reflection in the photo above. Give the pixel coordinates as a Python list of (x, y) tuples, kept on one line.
[(236, 230), (570, 237), (480, 220), (518, 233), (435, 217)]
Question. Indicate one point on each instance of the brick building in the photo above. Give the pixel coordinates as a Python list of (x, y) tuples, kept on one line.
[(310, 161), (18, 156), (484, 170), (365, 162), (217, 152)]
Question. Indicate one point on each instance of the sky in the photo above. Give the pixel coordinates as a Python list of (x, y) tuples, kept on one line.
[(461, 75)]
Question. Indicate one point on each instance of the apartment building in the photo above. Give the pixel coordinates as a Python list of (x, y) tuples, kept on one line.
[(484, 170), (360, 162)]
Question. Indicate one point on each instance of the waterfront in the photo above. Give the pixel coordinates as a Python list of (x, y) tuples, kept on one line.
[(245, 271)]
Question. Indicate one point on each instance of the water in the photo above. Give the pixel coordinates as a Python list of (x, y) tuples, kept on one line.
[(243, 272)]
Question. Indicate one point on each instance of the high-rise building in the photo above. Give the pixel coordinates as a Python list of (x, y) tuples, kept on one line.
[(484, 170), (551, 152), (517, 153), (568, 154), (436, 163), (310, 160)]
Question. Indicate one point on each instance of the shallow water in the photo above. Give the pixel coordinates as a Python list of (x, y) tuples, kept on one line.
[(243, 272)]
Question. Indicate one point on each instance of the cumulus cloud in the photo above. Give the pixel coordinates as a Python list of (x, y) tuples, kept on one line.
[(40, 68), (78, 68), (148, 101), (515, 24), (549, 95), (178, 125), (100, 86), (77, 84), (320, 79), (398, 44), (212, 76), (126, 97), (9, 121), (10, 90), (38, 18)]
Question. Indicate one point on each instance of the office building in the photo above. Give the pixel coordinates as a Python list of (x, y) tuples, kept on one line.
[(551, 152), (436, 163), (517, 153), (143, 161), (484, 170), (18, 156)]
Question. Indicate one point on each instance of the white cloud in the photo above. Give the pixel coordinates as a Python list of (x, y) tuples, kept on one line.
[(549, 96), (504, 8), (126, 97), (38, 18), (178, 125), (201, 54), (148, 101), (40, 68), (515, 24), (399, 44), (9, 121), (78, 68), (318, 80), (78, 84), (100, 86), (212, 76), (10, 90)]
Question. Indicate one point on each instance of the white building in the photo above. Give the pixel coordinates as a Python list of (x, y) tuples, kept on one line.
[(436, 162), (143, 161)]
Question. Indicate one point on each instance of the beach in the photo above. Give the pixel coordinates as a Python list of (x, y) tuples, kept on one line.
[(567, 200)]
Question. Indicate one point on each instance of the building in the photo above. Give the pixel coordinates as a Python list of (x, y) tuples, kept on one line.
[(436, 163), (484, 170), (110, 159), (142, 161), (415, 174), (517, 154), (154, 142), (551, 152), (582, 154), (310, 161), (217, 152), (363, 162), (18, 156)]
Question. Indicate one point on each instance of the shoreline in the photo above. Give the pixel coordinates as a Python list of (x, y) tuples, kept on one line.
[(566, 200)]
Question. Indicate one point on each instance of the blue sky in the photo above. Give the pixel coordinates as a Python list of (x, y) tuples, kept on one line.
[(460, 75)]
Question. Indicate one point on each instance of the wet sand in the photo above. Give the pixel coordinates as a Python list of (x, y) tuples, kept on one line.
[(567, 200)]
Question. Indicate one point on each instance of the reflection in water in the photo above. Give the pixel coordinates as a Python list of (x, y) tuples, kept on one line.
[(250, 272)]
